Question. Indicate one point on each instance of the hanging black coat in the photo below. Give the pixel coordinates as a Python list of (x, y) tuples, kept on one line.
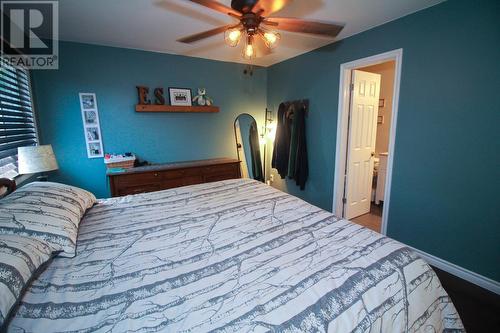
[(301, 171), (293, 140), (281, 149)]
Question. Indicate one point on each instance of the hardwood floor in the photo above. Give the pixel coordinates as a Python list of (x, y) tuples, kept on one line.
[(372, 220), (478, 308)]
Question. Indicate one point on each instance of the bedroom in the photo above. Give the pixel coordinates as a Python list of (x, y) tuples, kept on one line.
[(444, 177)]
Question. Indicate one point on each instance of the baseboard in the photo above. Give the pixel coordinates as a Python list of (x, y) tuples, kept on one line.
[(461, 272)]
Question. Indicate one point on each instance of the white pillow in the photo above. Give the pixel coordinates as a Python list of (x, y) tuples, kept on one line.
[(20, 259), (50, 212)]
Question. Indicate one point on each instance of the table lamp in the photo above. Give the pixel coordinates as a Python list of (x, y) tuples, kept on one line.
[(36, 159)]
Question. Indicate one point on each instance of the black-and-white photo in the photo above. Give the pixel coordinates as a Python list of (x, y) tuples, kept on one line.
[(90, 117), (95, 149), (92, 133), (180, 96), (88, 101)]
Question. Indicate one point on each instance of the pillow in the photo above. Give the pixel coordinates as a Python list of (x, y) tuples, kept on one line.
[(50, 212), (20, 260)]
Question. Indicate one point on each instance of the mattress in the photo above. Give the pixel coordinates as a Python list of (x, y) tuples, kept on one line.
[(232, 256)]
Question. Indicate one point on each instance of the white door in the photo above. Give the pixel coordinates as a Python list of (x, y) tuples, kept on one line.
[(361, 143)]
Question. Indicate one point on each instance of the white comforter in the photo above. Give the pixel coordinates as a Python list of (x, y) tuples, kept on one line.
[(232, 256)]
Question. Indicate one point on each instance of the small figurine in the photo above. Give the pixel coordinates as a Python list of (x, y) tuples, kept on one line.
[(202, 99)]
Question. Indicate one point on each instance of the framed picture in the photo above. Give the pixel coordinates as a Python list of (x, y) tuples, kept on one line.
[(87, 101), (91, 126), (180, 96), (381, 103), (95, 149), (90, 117), (92, 133)]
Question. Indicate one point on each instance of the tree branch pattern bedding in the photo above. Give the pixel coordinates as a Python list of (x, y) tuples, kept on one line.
[(232, 256)]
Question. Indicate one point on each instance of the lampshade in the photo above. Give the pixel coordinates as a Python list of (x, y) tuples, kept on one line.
[(36, 159)]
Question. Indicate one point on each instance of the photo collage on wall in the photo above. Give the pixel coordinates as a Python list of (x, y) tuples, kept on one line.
[(91, 127)]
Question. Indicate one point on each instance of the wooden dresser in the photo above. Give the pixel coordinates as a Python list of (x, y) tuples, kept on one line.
[(164, 176)]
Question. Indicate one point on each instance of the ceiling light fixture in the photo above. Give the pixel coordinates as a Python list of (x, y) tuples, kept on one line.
[(232, 36), (256, 21), (271, 38), (249, 49)]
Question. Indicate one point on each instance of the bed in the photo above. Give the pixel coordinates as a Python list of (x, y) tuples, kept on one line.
[(231, 256)]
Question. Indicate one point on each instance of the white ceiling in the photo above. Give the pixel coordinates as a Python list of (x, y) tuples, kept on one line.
[(155, 25)]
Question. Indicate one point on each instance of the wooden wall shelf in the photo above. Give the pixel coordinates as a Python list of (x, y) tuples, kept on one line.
[(171, 108)]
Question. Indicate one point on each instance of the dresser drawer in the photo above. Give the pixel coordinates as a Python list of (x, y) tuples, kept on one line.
[(171, 183), (192, 180), (221, 172), (220, 176), (183, 173), (142, 188), (219, 169), (137, 179)]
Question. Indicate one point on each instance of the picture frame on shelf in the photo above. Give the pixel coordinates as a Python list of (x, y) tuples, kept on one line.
[(180, 96)]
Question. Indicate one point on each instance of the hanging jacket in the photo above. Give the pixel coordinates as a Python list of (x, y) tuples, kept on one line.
[(293, 141), (281, 149), (301, 171)]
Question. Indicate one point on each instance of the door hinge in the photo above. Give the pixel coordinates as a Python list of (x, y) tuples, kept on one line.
[(352, 86), (344, 200)]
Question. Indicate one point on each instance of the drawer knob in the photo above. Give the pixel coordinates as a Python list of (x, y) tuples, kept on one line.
[(156, 174)]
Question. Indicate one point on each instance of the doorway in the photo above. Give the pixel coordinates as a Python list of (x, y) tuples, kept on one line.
[(366, 131)]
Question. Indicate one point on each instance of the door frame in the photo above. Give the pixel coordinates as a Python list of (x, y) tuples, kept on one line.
[(342, 127)]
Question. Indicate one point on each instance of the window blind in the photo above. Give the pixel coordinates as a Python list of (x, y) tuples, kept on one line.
[(17, 121)]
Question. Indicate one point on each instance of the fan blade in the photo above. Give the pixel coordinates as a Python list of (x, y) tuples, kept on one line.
[(267, 7), (307, 27), (204, 34), (215, 5)]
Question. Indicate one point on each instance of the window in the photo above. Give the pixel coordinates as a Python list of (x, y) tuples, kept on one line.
[(17, 121)]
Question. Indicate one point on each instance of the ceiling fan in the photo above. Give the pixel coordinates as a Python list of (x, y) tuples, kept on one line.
[(254, 22)]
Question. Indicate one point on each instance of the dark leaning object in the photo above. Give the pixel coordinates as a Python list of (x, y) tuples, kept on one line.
[(7, 186)]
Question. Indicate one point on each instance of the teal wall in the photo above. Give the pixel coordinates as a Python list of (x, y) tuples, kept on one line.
[(113, 74), (446, 175)]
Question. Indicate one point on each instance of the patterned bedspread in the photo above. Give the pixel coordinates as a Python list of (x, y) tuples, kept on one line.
[(232, 256)]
